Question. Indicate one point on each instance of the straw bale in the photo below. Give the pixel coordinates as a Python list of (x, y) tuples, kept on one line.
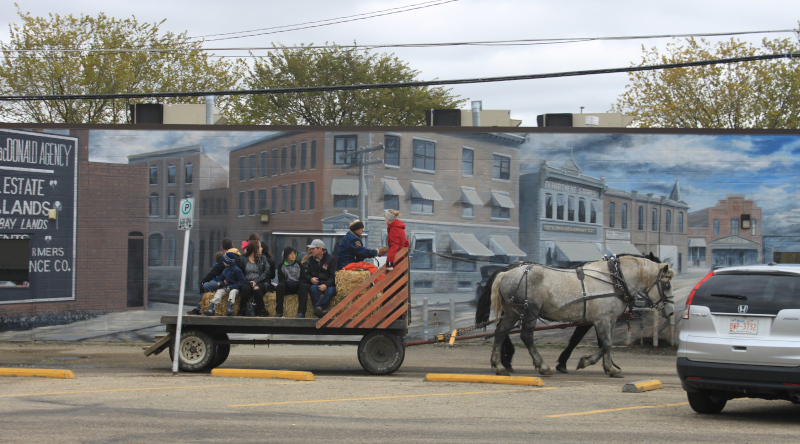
[(222, 307)]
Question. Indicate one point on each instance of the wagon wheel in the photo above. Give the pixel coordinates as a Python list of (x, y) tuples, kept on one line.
[(223, 350), (197, 351), (381, 352)]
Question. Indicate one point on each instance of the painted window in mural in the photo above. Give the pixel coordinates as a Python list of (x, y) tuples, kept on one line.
[(264, 165), (716, 227), (171, 172), (654, 221), (680, 222), (641, 218), (302, 196), (548, 206), (391, 151), (242, 169), (581, 210), (153, 174), (424, 154), (501, 167), (571, 208), (735, 226), (611, 214), (252, 166), (624, 216), (344, 149), (560, 207), (189, 172), (293, 163), (467, 162), (593, 210), (668, 221)]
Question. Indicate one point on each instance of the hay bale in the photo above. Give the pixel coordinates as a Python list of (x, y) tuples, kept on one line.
[(222, 307), (290, 305)]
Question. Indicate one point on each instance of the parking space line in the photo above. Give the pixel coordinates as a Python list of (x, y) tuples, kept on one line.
[(592, 412), (388, 397), (141, 389)]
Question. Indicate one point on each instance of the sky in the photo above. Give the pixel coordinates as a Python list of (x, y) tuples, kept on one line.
[(463, 21)]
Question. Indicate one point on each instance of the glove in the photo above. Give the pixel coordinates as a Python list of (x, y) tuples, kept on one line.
[(382, 251), (390, 266)]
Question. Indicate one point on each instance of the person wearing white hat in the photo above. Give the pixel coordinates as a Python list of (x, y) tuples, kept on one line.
[(320, 276)]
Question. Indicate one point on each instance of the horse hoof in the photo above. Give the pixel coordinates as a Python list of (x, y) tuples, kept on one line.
[(561, 368), (501, 372), (581, 364), (616, 375), (545, 371)]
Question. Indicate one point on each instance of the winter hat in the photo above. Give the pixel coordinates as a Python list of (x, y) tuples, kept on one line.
[(229, 258), (391, 214), (287, 251), (356, 225)]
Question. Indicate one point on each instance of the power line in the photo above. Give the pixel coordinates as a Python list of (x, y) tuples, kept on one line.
[(398, 10), (306, 89), (337, 21), (515, 42)]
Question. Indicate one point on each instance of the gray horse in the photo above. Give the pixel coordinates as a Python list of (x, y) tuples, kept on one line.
[(528, 292)]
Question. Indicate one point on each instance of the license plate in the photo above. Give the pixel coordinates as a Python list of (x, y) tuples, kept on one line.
[(740, 326)]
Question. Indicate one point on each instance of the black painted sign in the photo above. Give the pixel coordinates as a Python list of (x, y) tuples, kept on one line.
[(38, 216)]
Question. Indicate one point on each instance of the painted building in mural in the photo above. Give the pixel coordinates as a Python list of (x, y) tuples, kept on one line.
[(71, 231), (643, 223), (172, 175), (729, 233), (456, 193), (561, 215)]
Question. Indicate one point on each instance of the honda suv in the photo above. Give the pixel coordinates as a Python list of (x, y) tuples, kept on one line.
[(740, 336)]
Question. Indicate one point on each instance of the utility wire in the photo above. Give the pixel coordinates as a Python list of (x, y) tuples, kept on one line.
[(516, 42), (398, 10), (306, 89), (333, 21)]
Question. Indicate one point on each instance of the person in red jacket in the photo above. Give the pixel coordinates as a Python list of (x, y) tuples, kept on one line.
[(396, 236)]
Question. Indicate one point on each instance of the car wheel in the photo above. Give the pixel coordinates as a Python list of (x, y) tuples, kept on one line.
[(705, 402)]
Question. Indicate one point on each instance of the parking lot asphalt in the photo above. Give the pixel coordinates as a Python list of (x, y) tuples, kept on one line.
[(119, 395)]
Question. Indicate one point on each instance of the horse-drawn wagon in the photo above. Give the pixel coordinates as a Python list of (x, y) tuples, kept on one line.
[(377, 310)]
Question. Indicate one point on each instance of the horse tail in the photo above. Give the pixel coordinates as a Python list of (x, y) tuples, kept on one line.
[(484, 307), (497, 299)]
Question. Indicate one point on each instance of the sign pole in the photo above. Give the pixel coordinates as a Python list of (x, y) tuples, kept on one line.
[(184, 223)]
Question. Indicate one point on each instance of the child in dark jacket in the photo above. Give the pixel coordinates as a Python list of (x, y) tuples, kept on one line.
[(291, 275), (211, 282), (232, 281)]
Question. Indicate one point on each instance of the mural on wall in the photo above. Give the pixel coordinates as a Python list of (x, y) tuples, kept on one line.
[(697, 200), (38, 190)]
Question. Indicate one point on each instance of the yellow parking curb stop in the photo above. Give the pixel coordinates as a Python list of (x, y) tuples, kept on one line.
[(37, 373), (281, 374), (513, 380), (642, 386)]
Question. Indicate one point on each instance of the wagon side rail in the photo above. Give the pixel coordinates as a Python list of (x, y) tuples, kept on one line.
[(382, 304)]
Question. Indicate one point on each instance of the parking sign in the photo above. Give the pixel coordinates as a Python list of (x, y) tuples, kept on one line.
[(186, 216)]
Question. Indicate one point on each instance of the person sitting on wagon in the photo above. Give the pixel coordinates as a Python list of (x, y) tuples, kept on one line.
[(291, 276), (320, 276), (211, 281), (351, 249), (255, 267), (396, 235), (232, 281)]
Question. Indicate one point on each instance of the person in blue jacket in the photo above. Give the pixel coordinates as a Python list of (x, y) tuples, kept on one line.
[(351, 249), (232, 279)]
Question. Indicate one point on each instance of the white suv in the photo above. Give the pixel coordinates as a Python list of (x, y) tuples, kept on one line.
[(740, 336)]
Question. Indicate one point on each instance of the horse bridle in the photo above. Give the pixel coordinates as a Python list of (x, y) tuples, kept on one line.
[(664, 284)]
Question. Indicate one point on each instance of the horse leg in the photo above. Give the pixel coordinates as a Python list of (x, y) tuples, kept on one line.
[(603, 329), (501, 334), (574, 340), (527, 338)]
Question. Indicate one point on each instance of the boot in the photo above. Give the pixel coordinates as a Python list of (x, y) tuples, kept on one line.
[(211, 308), (300, 314), (195, 311), (278, 315), (230, 309)]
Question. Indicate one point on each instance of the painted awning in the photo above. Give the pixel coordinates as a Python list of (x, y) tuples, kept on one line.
[(502, 200), (424, 191), (622, 248), (391, 187), (577, 252), (344, 187), (697, 242), (502, 245), (467, 243), (471, 197)]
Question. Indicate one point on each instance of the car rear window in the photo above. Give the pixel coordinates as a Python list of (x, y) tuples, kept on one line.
[(761, 293)]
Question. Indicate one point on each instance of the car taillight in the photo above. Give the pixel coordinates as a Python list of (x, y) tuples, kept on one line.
[(691, 295)]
